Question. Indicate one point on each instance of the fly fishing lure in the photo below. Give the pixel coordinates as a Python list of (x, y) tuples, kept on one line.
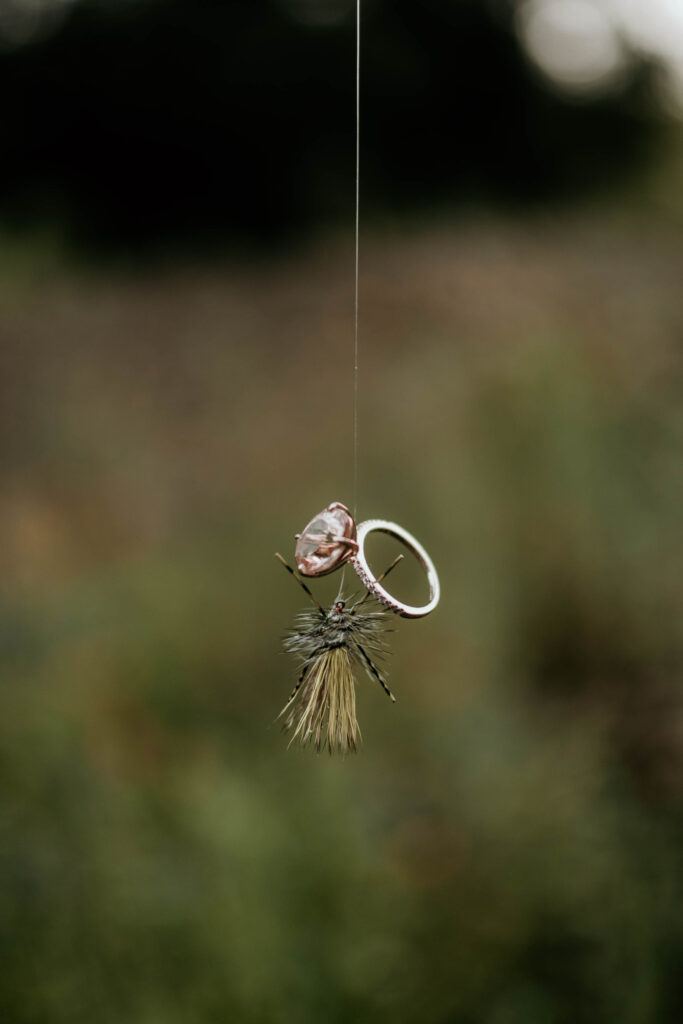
[(331, 643)]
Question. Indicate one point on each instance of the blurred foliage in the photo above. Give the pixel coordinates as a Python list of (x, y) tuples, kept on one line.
[(176, 122), (506, 848)]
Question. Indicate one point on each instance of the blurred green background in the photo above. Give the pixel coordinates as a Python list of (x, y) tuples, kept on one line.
[(175, 402)]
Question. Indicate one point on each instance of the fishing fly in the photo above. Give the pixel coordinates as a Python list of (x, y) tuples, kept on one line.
[(330, 644)]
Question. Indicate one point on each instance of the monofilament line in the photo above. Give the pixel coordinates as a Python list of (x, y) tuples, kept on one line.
[(357, 289)]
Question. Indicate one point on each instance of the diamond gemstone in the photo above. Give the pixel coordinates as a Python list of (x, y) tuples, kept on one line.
[(326, 542)]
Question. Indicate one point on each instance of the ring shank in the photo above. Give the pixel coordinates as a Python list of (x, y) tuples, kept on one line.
[(360, 564)]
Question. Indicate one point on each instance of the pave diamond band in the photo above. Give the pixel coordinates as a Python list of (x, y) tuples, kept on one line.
[(360, 564)]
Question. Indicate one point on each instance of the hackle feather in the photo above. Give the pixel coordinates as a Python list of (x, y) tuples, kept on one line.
[(329, 645)]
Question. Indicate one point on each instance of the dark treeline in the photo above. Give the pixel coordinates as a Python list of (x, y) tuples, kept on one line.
[(144, 122)]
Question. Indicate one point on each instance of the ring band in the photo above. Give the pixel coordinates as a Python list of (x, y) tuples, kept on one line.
[(360, 564)]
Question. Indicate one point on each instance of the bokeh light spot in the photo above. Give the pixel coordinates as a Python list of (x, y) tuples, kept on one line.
[(574, 42)]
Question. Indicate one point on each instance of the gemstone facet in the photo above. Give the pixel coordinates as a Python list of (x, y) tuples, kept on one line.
[(326, 542)]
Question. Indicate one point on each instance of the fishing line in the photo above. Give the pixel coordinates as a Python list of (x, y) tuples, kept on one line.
[(356, 299), (357, 279)]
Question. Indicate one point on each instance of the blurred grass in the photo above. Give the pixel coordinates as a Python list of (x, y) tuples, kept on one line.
[(506, 847)]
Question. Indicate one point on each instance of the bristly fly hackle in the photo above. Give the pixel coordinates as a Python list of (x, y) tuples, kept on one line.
[(330, 644)]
